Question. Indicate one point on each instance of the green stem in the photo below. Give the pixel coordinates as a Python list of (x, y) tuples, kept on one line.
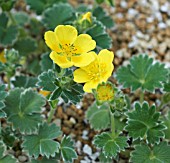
[(53, 105), (141, 97), (52, 111), (12, 18), (112, 119), (9, 82)]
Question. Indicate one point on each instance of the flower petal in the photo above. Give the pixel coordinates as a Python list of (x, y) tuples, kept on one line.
[(66, 34), (90, 85), (106, 56), (83, 59), (52, 41), (81, 76), (60, 60), (84, 43)]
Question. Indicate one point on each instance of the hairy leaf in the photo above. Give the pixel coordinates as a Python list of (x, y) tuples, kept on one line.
[(167, 124), (102, 16), (110, 145), (40, 5), (23, 108), (8, 159), (46, 63), (2, 149), (3, 95), (46, 80), (25, 81), (67, 150), (159, 153), (98, 117), (8, 34), (63, 12), (25, 46), (143, 123), (42, 142), (98, 33), (142, 73)]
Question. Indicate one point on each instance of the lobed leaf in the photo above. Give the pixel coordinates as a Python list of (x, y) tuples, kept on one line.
[(3, 95), (67, 151), (42, 142), (46, 63), (46, 80), (23, 108), (99, 117), (143, 123), (110, 145), (142, 73), (102, 16), (25, 81), (8, 34), (159, 153), (63, 12)]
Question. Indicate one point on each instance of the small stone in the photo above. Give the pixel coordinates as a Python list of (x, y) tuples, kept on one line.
[(162, 25), (87, 149), (22, 158), (72, 120), (57, 122), (94, 156)]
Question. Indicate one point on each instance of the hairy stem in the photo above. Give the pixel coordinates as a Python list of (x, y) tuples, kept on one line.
[(52, 111), (141, 97), (9, 82), (112, 119), (12, 18)]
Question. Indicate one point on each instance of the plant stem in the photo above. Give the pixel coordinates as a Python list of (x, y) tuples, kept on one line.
[(141, 97), (9, 82), (112, 119), (53, 105), (12, 18), (51, 115)]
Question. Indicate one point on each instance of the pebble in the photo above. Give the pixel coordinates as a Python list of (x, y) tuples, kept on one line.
[(22, 158), (72, 120), (57, 122), (87, 149)]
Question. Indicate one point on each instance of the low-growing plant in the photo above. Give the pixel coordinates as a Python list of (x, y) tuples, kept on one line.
[(78, 42)]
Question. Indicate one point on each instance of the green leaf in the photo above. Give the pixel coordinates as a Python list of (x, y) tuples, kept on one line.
[(8, 159), (102, 16), (167, 83), (25, 46), (23, 108), (110, 146), (56, 93), (8, 34), (142, 73), (7, 5), (98, 116), (40, 5), (2, 149), (63, 11), (42, 142), (167, 124), (3, 95), (159, 154), (99, 34), (46, 63), (46, 80), (104, 159), (99, 1), (21, 18), (25, 81), (143, 122), (67, 151)]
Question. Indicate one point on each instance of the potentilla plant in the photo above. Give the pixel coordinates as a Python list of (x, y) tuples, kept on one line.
[(79, 62)]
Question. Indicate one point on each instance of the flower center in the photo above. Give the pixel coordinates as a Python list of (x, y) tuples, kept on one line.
[(68, 50)]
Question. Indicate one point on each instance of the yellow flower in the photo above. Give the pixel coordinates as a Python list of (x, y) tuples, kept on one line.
[(96, 72), (68, 49), (105, 92), (2, 57), (87, 16), (44, 93)]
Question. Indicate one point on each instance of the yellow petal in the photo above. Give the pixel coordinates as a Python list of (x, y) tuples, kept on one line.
[(106, 56), (81, 76), (66, 34), (2, 57), (84, 43), (52, 41), (60, 60), (83, 59), (90, 85)]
